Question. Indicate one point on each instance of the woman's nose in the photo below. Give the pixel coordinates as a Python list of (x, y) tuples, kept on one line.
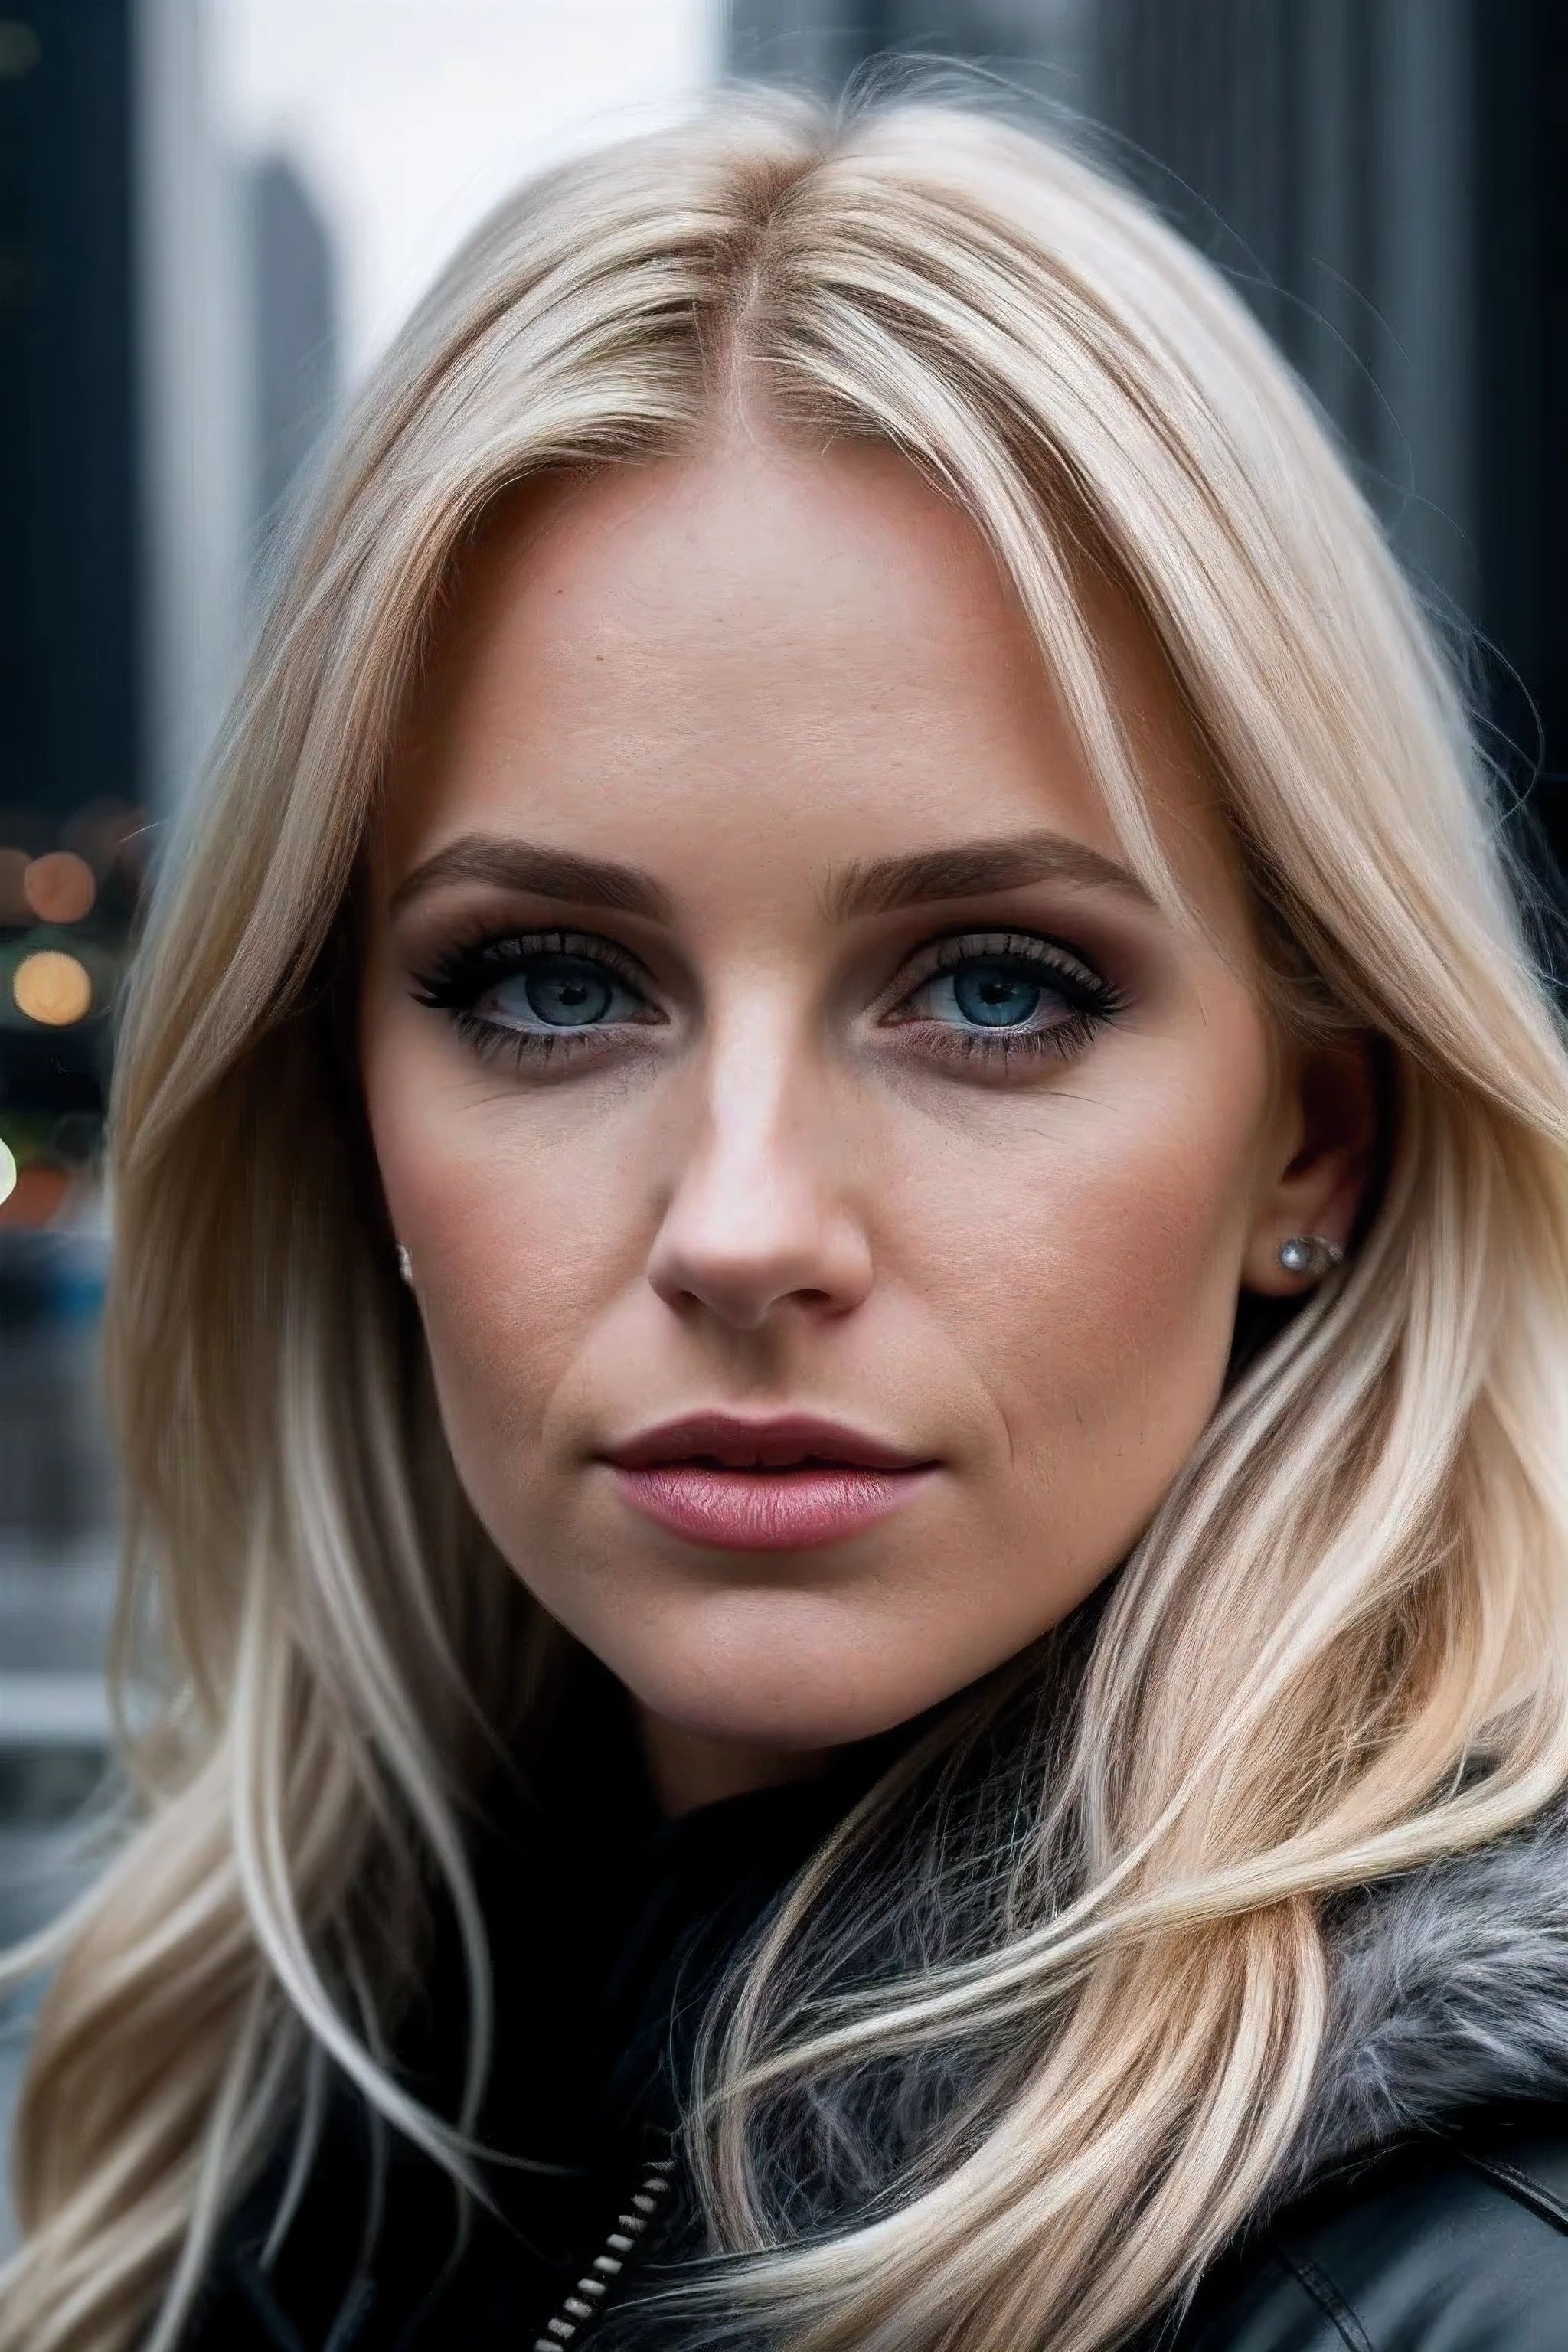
[(757, 1217)]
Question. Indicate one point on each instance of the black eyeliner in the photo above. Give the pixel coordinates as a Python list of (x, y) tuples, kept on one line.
[(1038, 953), (461, 972)]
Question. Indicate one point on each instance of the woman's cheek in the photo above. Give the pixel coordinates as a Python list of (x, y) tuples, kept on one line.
[(523, 1256), (1091, 1283), (521, 1224)]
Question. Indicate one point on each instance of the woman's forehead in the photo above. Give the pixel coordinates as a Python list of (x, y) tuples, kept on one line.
[(765, 643)]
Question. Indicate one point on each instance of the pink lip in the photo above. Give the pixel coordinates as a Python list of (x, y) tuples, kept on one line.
[(786, 1484)]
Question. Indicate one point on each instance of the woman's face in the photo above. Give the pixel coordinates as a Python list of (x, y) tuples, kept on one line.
[(828, 1176)]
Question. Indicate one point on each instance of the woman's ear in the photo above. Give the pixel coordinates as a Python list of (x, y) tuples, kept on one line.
[(1331, 1126)]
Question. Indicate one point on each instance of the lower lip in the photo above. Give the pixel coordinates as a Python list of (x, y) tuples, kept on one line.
[(766, 1510)]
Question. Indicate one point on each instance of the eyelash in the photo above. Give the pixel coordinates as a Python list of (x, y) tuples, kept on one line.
[(1091, 999), (466, 972)]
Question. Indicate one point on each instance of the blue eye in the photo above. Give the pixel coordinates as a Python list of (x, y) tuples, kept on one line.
[(994, 1004), (995, 996), (558, 991), (991, 992), (542, 998)]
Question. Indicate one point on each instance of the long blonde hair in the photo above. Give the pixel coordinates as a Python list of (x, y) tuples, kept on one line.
[(1339, 1650)]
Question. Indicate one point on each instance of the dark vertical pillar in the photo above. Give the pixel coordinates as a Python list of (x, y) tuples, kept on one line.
[(1235, 122), (69, 732), (1522, 333), (68, 729)]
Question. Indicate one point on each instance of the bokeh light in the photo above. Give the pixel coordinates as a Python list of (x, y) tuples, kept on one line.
[(38, 1197), (20, 49), (7, 1170), (52, 988), (60, 888)]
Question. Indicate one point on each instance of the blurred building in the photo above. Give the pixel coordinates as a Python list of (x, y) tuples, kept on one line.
[(1388, 180), (1387, 183), (71, 776), (824, 43), (70, 729), (293, 330), (151, 417), (71, 781)]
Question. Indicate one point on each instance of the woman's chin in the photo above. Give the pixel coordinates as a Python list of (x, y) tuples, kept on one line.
[(770, 1698)]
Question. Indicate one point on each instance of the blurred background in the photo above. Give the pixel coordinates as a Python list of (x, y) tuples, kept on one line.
[(213, 215)]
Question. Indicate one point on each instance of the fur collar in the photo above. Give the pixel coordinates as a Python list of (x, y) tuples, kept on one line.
[(1449, 1993)]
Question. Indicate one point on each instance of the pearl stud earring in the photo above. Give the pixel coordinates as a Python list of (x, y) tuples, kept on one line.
[(1310, 1255), (405, 1263)]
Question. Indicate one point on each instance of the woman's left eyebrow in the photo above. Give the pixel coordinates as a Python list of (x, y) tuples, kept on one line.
[(970, 869), (542, 873)]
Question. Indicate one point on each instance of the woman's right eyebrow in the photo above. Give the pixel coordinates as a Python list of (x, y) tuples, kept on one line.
[(542, 873)]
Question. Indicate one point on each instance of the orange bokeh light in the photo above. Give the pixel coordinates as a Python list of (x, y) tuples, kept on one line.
[(36, 1198), (52, 989), (60, 887)]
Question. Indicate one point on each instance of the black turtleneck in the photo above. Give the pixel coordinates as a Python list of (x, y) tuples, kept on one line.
[(609, 1929)]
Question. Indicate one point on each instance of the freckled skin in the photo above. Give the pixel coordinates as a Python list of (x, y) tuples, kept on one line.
[(742, 676)]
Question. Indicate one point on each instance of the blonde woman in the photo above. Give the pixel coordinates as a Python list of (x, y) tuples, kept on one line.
[(841, 1329)]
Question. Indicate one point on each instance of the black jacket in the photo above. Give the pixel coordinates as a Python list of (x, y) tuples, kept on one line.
[(1457, 2244), (1424, 2207)]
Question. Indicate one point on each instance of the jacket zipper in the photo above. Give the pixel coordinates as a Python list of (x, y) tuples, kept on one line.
[(597, 2286)]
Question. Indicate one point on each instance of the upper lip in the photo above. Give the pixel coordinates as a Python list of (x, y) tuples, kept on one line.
[(737, 1443)]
